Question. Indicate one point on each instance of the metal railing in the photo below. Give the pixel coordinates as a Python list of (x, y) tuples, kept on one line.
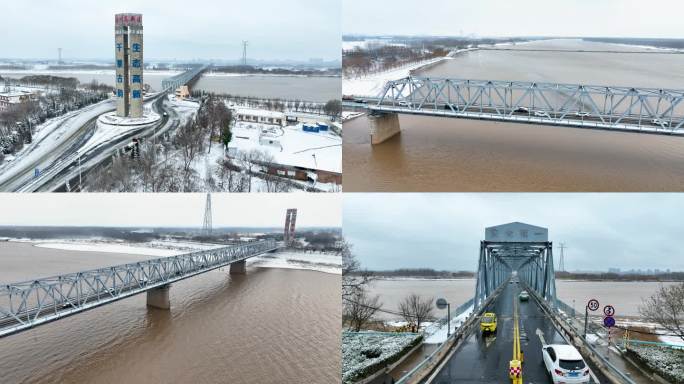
[(433, 356), (27, 304)]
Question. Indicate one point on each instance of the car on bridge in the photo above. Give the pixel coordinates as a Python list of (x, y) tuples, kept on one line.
[(524, 296), (565, 364), (488, 323)]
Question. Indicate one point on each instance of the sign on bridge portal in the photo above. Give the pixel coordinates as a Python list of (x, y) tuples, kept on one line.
[(593, 304)]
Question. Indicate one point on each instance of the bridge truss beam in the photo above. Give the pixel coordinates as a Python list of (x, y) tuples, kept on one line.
[(176, 81), (31, 303), (627, 108)]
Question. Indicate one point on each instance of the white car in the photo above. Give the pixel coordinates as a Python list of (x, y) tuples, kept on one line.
[(565, 364), (541, 114), (662, 123), (581, 114)]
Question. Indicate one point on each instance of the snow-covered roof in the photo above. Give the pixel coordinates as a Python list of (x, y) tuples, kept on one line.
[(312, 150), (259, 112)]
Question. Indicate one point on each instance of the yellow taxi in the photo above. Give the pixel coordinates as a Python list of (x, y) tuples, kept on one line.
[(488, 322)]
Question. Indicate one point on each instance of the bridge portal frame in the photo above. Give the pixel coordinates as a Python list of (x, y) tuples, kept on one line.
[(627, 108), (27, 304), (533, 262)]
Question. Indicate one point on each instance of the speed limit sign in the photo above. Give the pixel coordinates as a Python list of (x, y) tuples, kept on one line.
[(593, 304)]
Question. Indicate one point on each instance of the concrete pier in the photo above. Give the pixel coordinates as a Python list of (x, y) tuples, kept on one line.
[(383, 126), (238, 268), (159, 297)]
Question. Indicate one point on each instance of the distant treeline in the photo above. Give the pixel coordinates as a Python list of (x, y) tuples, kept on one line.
[(70, 67), (68, 82), (672, 276), (275, 71), (662, 43), (12, 67), (423, 272)]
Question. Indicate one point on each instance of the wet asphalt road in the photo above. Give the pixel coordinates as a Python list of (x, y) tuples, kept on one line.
[(485, 359)]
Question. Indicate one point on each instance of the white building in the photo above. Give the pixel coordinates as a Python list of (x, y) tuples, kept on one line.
[(8, 99), (260, 116)]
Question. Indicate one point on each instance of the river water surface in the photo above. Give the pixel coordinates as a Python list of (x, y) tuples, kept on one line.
[(624, 296), (440, 154), (268, 326)]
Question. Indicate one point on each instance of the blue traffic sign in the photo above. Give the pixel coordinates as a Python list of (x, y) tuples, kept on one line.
[(609, 321)]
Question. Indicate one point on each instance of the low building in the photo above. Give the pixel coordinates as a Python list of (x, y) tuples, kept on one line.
[(8, 99), (260, 116), (183, 92)]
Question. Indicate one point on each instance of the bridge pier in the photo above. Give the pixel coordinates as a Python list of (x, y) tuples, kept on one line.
[(238, 268), (159, 297), (383, 126)]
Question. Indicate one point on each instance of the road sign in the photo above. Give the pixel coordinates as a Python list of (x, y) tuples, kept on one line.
[(593, 304), (608, 310), (441, 303), (609, 321)]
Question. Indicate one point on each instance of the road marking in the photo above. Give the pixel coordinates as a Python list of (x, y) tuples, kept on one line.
[(541, 336)]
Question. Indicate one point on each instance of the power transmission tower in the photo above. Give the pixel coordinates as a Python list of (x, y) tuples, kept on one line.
[(206, 226), (244, 52), (59, 55), (561, 262)]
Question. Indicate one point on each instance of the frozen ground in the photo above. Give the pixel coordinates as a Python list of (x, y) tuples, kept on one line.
[(314, 261), (372, 84), (437, 334), (667, 362), (366, 352)]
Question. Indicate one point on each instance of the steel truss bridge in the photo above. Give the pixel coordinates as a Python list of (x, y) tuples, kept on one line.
[(182, 78), (516, 247), (31, 303), (588, 106)]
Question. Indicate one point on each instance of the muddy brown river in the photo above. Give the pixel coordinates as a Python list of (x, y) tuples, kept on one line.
[(446, 154), (268, 326)]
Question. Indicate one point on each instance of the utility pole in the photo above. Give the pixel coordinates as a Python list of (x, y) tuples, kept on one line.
[(206, 225), (244, 52), (561, 262), (59, 55)]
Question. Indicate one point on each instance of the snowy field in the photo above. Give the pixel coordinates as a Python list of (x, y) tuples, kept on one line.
[(290, 145), (290, 259), (364, 353), (315, 261)]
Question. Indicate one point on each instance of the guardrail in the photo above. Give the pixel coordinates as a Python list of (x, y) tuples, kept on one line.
[(447, 343), (575, 334)]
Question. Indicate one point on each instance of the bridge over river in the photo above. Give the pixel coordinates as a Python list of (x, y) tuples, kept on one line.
[(27, 304), (644, 110)]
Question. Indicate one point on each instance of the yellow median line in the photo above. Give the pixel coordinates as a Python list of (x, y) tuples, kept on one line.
[(515, 365)]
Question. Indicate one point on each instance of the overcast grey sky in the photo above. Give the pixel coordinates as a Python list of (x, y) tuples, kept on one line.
[(443, 231), (168, 209), (184, 29), (620, 18)]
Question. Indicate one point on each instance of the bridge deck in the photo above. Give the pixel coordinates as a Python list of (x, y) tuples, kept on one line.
[(485, 359), (28, 304)]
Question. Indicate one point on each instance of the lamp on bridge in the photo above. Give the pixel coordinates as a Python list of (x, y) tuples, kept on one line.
[(441, 304)]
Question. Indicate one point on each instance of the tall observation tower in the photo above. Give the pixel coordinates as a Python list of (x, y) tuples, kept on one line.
[(128, 46)]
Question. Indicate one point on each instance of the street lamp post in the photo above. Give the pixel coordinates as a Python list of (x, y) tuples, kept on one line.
[(441, 304), (80, 185)]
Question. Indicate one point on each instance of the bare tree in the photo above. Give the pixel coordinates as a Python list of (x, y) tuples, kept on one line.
[(416, 310), (666, 308), (359, 309), (353, 278)]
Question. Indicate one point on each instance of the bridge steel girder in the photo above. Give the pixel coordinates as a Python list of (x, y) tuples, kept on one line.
[(592, 106), (539, 274), (27, 304), (492, 271), (181, 78)]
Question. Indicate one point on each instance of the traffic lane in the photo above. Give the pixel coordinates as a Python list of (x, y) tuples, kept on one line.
[(534, 322), (484, 359)]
